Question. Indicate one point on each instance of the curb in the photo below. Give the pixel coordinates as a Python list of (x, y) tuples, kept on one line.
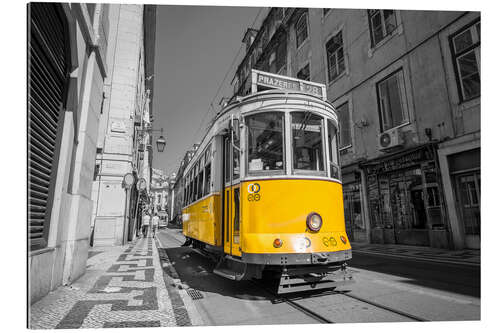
[(175, 287), (399, 256)]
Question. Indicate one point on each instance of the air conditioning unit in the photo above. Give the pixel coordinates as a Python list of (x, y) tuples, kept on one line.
[(390, 139)]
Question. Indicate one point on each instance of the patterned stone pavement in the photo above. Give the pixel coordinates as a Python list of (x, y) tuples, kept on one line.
[(123, 287)]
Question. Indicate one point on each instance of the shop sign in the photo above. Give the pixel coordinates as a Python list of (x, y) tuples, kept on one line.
[(401, 162), (270, 80)]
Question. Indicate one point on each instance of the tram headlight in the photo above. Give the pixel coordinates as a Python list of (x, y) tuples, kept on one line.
[(314, 222), (277, 243)]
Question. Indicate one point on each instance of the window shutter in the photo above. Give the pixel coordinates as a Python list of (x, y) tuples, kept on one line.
[(46, 69)]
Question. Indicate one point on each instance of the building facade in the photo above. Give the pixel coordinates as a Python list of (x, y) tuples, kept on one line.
[(124, 144), (67, 66), (159, 192), (406, 86), (176, 187)]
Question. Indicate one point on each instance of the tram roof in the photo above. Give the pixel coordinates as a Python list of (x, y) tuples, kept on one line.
[(287, 96)]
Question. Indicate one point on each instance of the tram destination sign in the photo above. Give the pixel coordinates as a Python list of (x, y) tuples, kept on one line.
[(269, 80)]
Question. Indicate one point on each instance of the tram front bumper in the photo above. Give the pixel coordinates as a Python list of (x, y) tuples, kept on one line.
[(296, 258)]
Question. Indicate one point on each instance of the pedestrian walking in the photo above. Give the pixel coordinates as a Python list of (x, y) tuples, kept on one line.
[(155, 222), (145, 224)]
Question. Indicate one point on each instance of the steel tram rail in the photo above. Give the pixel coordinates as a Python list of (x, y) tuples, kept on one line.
[(310, 313), (387, 308), (361, 299)]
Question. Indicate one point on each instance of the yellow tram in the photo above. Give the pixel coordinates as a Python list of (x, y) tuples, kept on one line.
[(262, 193)]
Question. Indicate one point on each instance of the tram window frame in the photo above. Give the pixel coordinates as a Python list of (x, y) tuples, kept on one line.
[(196, 180), (208, 171), (283, 169), (201, 169), (295, 170), (333, 150), (227, 160), (186, 189), (191, 185), (236, 169)]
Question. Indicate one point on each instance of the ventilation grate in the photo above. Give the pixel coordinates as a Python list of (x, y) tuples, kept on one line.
[(194, 294)]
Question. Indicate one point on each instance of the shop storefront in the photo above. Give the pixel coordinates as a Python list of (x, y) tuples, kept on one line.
[(405, 199), (465, 175), (353, 208)]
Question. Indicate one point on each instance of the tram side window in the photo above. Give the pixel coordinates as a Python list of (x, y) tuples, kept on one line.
[(265, 142), (227, 160), (236, 160), (200, 180), (196, 177), (184, 192), (208, 170), (191, 186), (307, 138), (333, 150), (186, 197)]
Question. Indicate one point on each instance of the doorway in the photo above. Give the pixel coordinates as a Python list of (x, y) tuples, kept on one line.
[(231, 198)]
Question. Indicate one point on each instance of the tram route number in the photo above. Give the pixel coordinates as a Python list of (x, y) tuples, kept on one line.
[(253, 197), (253, 190)]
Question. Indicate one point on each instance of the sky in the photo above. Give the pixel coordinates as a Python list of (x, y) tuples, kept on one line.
[(195, 47)]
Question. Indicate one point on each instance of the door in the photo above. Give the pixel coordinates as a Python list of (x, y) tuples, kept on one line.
[(469, 198), (231, 206)]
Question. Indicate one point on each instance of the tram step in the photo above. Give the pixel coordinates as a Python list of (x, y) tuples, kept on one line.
[(290, 283), (230, 269), (226, 273)]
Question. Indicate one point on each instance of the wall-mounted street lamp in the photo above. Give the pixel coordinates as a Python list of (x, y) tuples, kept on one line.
[(160, 142)]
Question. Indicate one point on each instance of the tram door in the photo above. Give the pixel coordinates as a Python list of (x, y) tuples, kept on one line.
[(231, 199)]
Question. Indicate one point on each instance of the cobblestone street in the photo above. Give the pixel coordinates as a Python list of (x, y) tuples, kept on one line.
[(123, 287)]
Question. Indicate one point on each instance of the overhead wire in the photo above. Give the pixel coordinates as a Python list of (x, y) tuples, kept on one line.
[(207, 112)]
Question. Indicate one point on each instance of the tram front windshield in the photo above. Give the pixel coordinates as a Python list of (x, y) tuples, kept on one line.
[(307, 142), (265, 142), (309, 151)]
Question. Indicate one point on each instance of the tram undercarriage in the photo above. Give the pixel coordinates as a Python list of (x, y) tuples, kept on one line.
[(282, 279)]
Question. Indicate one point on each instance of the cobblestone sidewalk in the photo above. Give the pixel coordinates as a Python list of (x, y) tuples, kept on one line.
[(123, 287)]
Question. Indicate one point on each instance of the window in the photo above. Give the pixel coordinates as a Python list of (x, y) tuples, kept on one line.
[(335, 56), (467, 60), (188, 189), (192, 184), (307, 141), (195, 182), (382, 24), (97, 169), (392, 101), (332, 150), (208, 164), (184, 191), (345, 125), (301, 29), (236, 160), (304, 73), (200, 180), (281, 54), (227, 160), (236, 219), (265, 142)]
